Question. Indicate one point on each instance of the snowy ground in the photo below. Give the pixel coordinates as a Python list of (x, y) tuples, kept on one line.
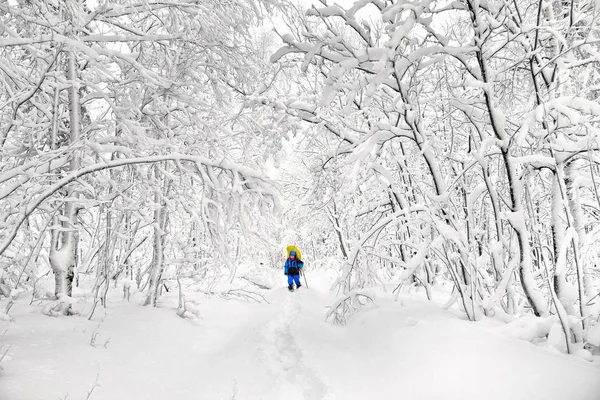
[(281, 350)]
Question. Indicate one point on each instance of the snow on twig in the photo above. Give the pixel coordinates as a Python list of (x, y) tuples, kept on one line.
[(348, 305)]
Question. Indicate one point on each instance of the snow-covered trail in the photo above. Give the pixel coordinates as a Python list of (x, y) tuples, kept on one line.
[(281, 350), (284, 357)]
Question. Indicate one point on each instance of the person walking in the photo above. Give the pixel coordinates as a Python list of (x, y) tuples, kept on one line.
[(292, 268)]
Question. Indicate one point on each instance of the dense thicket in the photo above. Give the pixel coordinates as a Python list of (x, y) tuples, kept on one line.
[(130, 138), (437, 142), (463, 145)]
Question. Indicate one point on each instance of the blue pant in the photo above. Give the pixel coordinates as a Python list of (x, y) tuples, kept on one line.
[(294, 278)]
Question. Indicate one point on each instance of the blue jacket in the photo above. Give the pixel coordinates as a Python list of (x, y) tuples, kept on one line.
[(295, 265)]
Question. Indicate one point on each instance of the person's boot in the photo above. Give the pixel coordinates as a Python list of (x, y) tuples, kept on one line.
[(291, 288), (298, 286)]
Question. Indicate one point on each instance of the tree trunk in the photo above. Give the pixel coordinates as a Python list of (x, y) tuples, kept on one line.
[(557, 228), (64, 242), (160, 222), (574, 203), (576, 257)]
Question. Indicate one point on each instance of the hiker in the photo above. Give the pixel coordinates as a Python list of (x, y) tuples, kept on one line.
[(292, 270)]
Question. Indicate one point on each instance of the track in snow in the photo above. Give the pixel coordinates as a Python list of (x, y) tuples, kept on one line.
[(284, 358)]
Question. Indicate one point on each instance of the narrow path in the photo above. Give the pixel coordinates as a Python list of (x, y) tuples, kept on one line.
[(285, 361)]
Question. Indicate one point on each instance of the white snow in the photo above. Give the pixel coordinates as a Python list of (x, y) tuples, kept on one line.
[(408, 349), (594, 335)]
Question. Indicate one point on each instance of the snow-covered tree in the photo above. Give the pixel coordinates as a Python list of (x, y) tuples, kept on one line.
[(474, 127), (119, 114)]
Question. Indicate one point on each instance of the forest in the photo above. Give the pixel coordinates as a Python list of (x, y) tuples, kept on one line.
[(159, 152)]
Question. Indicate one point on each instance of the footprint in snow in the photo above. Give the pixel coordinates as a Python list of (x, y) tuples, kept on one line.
[(284, 359)]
